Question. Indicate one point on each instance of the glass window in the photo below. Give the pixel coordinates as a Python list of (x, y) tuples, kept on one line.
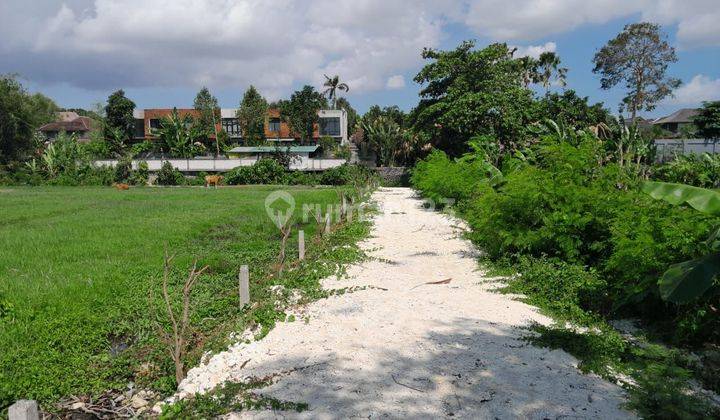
[(231, 126), (139, 128), (274, 124), (154, 123), (330, 126)]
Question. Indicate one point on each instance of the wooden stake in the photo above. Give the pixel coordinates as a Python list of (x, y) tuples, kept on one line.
[(327, 222), (244, 285), (301, 245)]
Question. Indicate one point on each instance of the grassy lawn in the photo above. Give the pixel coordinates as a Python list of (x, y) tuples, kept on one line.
[(78, 264)]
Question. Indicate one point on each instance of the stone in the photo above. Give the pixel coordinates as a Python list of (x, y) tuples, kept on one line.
[(78, 406), (138, 402), (24, 410)]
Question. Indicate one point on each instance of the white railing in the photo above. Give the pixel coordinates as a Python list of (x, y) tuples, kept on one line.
[(224, 165)]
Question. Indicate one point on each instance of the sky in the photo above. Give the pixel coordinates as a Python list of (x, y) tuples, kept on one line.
[(161, 52)]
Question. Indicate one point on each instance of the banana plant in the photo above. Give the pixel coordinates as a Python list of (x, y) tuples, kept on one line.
[(689, 280)]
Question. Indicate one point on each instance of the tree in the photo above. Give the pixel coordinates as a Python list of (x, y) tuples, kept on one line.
[(251, 116), (352, 116), (209, 115), (548, 69), (301, 111), (385, 136), (178, 134), (20, 115), (708, 121), (638, 57), (572, 110), (119, 116), (468, 92), (332, 85)]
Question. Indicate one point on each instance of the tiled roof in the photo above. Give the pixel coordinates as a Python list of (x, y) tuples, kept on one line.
[(685, 115), (78, 124)]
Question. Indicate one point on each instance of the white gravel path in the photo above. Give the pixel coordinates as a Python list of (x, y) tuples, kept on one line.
[(429, 351)]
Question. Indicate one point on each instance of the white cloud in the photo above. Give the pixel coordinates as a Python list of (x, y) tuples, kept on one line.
[(701, 88), (534, 51), (279, 44), (396, 82)]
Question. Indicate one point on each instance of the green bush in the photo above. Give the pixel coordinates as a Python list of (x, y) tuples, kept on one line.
[(264, 171), (141, 175), (123, 170), (168, 175), (697, 170), (440, 179)]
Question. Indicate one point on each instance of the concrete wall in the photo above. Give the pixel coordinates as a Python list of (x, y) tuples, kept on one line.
[(224, 165), (667, 149)]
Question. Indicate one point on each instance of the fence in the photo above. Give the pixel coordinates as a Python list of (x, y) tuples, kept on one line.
[(225, 165), (667, 149)]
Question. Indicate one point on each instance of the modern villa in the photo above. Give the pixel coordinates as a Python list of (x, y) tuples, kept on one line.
[(332, 123)]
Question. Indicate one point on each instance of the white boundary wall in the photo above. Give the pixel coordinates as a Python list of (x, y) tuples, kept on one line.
[(224, 165)]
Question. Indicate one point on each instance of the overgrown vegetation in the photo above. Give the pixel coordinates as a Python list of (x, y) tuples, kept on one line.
[(83, 325)]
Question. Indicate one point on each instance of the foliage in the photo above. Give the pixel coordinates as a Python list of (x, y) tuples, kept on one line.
[(696, 170), (638, 57), (123, 170), (332, 85), (178, 135), (208, 117), (708, 121), (572, 110), (251, 116), (21, 113), (84, 326), (300, 111), (444, 181), (549, 70), (140, 176), (385, 136), (468, 92), (264, 171), (168, 175), (119, 120)]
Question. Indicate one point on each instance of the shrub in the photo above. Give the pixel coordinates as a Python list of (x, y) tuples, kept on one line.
[(123, 170), (697, 170), (168, 175), (439, 178), (264, 171), (141, 175)]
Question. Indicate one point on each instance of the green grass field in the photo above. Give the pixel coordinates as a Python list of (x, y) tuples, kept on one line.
[(77, 266)]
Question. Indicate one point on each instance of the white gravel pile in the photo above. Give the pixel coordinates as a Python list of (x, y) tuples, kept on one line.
[(415, 350)]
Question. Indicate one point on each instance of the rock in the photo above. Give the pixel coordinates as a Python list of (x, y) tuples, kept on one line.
[(78, 406), (138, 402)]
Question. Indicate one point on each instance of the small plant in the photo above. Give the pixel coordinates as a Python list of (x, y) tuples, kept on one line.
[(176, 341), (168, 175)]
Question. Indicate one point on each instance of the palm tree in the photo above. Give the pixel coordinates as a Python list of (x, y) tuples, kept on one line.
[(385, 136), (549, 66), (332, 85)]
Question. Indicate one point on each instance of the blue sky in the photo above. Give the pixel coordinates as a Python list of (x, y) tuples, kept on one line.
[(162, 52)]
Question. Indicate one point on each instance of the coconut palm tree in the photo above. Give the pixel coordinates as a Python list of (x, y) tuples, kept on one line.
[(332, 85), (549, 66)]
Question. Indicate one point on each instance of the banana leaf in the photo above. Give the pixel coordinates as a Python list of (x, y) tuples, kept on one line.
[(687, 281), (701, 199)]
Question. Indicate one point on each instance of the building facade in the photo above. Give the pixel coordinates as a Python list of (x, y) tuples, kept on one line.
[(332, 123), (72, 124)]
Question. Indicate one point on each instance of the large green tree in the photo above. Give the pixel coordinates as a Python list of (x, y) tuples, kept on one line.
[(301, 111), (571, 110), (21, 113), (638, 58), (549, 71), (209, 114), (251, 116), (708, 121), (468, 92), (119, 120)]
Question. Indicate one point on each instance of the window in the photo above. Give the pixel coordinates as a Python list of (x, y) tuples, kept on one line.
[(330, 126), (139, 131), (231, 126), (274, 124), (154, 124)]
